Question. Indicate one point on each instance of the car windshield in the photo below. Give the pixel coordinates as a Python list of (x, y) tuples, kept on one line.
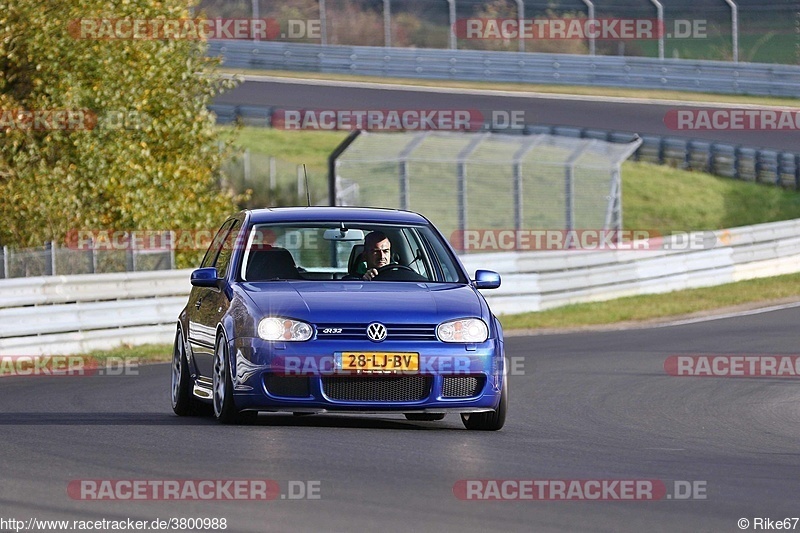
[(336, 251)]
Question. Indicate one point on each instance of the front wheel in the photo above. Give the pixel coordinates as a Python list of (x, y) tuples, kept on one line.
[(490, 420), (224, 407)]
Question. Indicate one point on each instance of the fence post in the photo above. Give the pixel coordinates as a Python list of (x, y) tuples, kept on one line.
[(323, 23), (5, 262), (50, 269), (254, 4), (734, 29), (405, 153), (92, 257), (387, 23), (130, 256), (451, 5), (461, 186), (590, 14), (569, 176), (660, 15)]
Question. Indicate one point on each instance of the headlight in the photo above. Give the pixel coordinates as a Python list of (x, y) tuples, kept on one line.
[(284, 329), (463, 330)]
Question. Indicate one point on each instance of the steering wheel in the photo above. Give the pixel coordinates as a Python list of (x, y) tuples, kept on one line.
[(394, 266), (397, 272)]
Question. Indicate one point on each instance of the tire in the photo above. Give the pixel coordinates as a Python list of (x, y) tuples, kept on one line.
[(490, 420), (225, 410), (424, 417), (183, 401)]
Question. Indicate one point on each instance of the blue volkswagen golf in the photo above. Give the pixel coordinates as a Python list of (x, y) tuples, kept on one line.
[(338, 309)]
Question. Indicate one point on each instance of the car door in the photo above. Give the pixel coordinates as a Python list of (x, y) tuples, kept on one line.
[(203, 304)]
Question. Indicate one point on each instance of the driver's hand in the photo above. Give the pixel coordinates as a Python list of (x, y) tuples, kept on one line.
[(369, 274)]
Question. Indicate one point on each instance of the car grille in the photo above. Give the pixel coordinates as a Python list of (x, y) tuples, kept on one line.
[(462, 386), (377, 388), (290, 386), (402, 332)]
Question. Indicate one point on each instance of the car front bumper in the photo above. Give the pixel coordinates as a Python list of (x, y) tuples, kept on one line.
[(302, 377)]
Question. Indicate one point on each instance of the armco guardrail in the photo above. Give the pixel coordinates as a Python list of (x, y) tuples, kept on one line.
[(534, 281), (518, 67), (72, 314)]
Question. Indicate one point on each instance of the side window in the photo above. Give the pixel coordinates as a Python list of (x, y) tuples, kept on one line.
[(216, 244), (224, 257)]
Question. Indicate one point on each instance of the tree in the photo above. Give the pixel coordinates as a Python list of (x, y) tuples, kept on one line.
[(104, 133)]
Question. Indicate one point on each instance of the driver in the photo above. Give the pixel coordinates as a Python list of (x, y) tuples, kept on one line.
[(378, 252)]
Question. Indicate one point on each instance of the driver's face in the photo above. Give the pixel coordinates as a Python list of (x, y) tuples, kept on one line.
[(380, 255)]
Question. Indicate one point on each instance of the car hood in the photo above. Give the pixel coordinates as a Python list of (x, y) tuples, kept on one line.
[(354, 302)]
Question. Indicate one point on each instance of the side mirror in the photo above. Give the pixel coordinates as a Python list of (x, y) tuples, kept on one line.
[(486, 279), (205, 277)]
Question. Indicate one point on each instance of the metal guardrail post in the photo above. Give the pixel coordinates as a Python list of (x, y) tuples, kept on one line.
[(660, 16), (451, 5), (734, 29), (590, 6)]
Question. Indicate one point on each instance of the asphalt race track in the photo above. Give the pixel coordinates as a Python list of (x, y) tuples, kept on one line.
[(584, 406), (583, 112)]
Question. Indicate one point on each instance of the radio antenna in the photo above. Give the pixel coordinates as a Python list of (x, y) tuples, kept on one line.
[(308, 193)]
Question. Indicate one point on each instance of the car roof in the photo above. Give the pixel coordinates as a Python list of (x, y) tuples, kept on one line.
[(335, 214)]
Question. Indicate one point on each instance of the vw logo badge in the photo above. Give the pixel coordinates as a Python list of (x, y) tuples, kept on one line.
[(376, 332)]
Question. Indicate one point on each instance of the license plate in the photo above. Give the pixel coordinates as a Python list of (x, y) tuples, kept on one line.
[(377, 361)]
